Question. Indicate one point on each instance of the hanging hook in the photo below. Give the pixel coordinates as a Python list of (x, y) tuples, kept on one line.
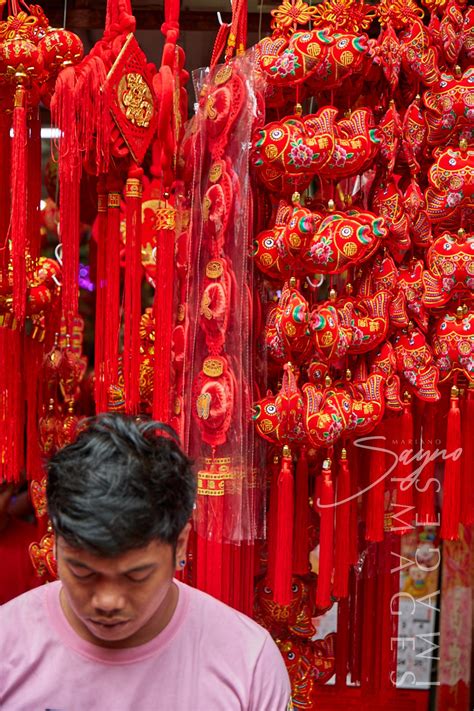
[(58, 255), (219, 16), (315, 285)]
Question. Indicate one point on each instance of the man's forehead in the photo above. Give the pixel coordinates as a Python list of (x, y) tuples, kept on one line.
[(130, 558)]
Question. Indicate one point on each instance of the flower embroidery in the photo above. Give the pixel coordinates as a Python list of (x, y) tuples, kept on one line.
[(301, 156), (286, 64), (448, 283), (448, 120), (340, 156), (454, 199), (321, 251), (444, 363), (334, 429), (467, 363), (357, 335)]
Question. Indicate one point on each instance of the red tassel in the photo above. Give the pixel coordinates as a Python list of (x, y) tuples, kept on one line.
[(209, 521), (281, 582), (133, 279), (5, 155), (451, 513), (231, 575), (467, 479), (33, 357), (100, 388), (354, 509), (403, 510), (326, 538), (214, 534), (272, 520), (34, 186), (374, 517), (343, 642), (18, 220), (301, 525), (248, 565), (64, 115), (112, 286), (12, 400), (343, 513), (425, 486), (163, 306)]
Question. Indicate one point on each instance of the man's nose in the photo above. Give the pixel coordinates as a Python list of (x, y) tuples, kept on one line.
[(108, 599)]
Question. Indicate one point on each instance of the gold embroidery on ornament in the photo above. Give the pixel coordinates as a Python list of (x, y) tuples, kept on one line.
[(135, 99)]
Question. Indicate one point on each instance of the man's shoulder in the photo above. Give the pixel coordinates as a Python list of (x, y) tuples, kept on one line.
[(222, 619), (27, 604)]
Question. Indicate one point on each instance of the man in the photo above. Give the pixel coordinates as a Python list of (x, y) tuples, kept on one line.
[(16, 573), (117, 632)]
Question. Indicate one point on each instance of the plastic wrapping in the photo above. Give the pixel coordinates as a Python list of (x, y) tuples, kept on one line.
[(218, 432)]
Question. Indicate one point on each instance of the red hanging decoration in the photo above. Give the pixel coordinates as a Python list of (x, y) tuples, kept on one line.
[(272, 519), (326, 538), (111, 304), (374, 518), (302, 511), (18, 225), (163, 308), (132, 292), (11, 402), (426, 484), (63, 114), (283, 542), (100, 389), (467, 473), (342, 551), (451, 514), (403, 505)]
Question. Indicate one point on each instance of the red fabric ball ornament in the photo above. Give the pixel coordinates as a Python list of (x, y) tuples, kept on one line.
[(20, 60), (60, 48)]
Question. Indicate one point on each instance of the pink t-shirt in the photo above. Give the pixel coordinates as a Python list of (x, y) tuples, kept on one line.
[(208, 658)]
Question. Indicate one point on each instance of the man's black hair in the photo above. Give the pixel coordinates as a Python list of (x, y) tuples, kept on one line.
[(120, 485)]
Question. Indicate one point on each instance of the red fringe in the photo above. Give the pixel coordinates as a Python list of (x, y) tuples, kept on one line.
[(425, 488), (326, 538), (11, 402), (5, 155), (132, 297), (19, 201), (33, 359), (247, 585), (214, 547), (467, 479), (343, 512), (451, 513), (301, 523), (111, 314), (403, 473), (374, 518), (34, 187), (63, 110), (354, 509), (272, 520), (163, 307), (283, 542), (100, 303), (342, 642)]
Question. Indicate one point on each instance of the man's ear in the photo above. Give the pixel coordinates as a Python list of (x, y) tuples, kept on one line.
[(181, 546)]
